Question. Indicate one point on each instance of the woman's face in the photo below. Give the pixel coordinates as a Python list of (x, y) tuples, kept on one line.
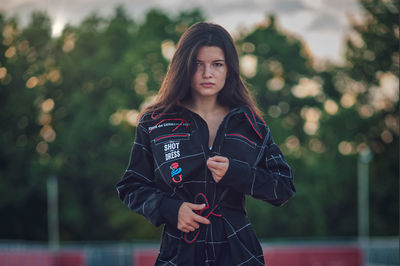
[(210, 74)]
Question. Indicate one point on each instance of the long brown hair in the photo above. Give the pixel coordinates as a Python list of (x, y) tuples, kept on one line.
[(176, 84)]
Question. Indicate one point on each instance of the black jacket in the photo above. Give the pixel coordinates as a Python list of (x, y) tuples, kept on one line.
[(168, 166)]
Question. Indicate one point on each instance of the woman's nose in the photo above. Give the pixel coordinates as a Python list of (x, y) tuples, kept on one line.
[(207, 72)]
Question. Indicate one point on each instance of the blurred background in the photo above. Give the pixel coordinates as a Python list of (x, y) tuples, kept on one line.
[(73, 77)]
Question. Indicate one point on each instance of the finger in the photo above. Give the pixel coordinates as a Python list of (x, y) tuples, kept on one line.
[(212, 159), (196, 207), (190, 228), (214, 165), (201, 219), (193, 224), (218, 158), (215, 171), (212, 168), (218, 163), (186, 230), (183, 229)]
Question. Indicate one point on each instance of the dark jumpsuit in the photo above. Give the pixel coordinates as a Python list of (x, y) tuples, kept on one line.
[(168, 167)]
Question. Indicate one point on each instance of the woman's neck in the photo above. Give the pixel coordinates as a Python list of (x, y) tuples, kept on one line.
[(204, 105)]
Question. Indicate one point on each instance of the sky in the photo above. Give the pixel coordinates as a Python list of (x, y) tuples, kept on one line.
[(321, 24)]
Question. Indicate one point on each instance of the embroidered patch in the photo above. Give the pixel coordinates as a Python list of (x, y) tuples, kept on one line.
[(168, 124), (176, 172), (172, 150)]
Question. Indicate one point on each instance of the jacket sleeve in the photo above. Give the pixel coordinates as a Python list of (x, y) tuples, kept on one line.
[(138, 190), (271, 180)]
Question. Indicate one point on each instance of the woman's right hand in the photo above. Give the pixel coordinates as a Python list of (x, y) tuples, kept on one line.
[(188, 220)]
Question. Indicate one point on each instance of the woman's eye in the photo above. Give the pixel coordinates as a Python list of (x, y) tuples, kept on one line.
[(218, 64)]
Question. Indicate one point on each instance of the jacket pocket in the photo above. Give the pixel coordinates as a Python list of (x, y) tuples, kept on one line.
[(240, 147), (241, 138), (171, 137)]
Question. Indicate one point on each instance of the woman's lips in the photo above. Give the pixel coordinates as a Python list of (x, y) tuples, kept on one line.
[(207, 84)]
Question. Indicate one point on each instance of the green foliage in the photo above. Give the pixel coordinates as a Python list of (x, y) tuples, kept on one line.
[(68, 106), (373, 61), (324, 162)]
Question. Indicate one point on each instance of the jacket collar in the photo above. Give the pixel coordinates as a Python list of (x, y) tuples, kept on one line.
[(248, 112)]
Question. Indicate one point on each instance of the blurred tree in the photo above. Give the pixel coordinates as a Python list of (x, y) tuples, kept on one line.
[(323, 119), (23, 64), (372, 80), (290, 92), (108, 68)]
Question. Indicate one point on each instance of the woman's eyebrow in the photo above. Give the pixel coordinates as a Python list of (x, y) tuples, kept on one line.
[(216, 60)]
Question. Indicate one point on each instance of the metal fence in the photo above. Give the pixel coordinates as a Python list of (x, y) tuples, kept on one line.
[(376, 252), (381, 252)]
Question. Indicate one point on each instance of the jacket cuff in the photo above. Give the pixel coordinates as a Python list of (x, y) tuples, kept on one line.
[(169, 209), (238, 176)]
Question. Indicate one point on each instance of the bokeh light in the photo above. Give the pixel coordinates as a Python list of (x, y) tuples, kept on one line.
[(47, 105), (307, 88), (168, 49), (32, 82), (248, 65), (331, 107)]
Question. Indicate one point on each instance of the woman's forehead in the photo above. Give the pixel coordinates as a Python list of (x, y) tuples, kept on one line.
[(210, 53)]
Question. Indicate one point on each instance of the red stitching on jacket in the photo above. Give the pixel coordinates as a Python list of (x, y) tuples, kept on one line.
[(154, 117), (252, 111), (253, 126), (205, 216), (168, 119), (172, 135), (194, 239), (238, 135)]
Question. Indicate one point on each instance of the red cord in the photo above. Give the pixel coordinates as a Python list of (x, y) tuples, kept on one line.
[(206, 216)]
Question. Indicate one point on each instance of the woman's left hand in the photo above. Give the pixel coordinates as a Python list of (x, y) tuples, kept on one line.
[(218, 166)]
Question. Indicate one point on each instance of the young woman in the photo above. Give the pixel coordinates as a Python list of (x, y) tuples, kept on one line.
[(199, 149)]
